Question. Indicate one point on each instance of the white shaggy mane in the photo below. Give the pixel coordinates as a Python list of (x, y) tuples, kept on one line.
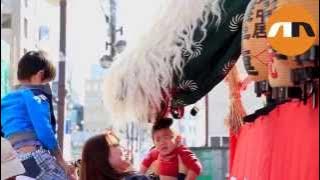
[(136, 81)]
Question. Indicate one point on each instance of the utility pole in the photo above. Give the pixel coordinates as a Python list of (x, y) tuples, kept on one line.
[(62, 72), (115, 46), (207, 120), (113, 26)]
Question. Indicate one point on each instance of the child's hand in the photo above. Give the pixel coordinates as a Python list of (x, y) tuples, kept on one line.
[(179, 140), (68, 168)]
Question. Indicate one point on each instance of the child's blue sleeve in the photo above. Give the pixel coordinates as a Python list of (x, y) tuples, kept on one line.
[(39, 113)]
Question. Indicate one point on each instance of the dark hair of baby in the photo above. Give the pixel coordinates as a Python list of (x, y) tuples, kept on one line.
[(162, 123)]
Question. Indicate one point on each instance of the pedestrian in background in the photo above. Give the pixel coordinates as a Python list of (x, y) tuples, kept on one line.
[(26, 121)]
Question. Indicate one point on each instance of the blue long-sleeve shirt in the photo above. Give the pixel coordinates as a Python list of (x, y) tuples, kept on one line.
[(25, 111)]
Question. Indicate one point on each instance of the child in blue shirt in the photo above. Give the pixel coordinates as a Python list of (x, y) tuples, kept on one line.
[(26, 120)]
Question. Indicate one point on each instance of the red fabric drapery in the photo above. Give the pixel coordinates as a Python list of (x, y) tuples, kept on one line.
[(233, 145), (284, 144)]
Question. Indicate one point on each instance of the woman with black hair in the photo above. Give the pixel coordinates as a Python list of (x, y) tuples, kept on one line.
[(104, 159)]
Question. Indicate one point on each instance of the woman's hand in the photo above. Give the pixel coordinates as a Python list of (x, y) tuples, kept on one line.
[(191, 175)]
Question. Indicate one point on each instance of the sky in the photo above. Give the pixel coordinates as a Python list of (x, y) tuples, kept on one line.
[(87, 33)]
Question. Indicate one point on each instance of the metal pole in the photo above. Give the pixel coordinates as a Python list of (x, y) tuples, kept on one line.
[(113, 26), (62, 69), (132, 141), (207, 120)]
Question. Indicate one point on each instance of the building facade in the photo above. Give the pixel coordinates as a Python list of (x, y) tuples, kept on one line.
[(29, 25), (96, 117)]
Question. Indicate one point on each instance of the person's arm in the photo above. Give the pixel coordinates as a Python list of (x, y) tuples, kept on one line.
[(59, 157), (70, 169), (148, 160), (143, 169), (192, 163)]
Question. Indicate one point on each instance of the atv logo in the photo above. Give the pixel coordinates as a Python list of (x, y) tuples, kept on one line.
[(291, 30)]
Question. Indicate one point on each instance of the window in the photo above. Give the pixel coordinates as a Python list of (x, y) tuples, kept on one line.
[(6, 21), (219, 142), (25, 24), (43, 33)]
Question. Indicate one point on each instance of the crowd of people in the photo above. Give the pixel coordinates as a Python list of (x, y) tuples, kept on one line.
[(30, 150)]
